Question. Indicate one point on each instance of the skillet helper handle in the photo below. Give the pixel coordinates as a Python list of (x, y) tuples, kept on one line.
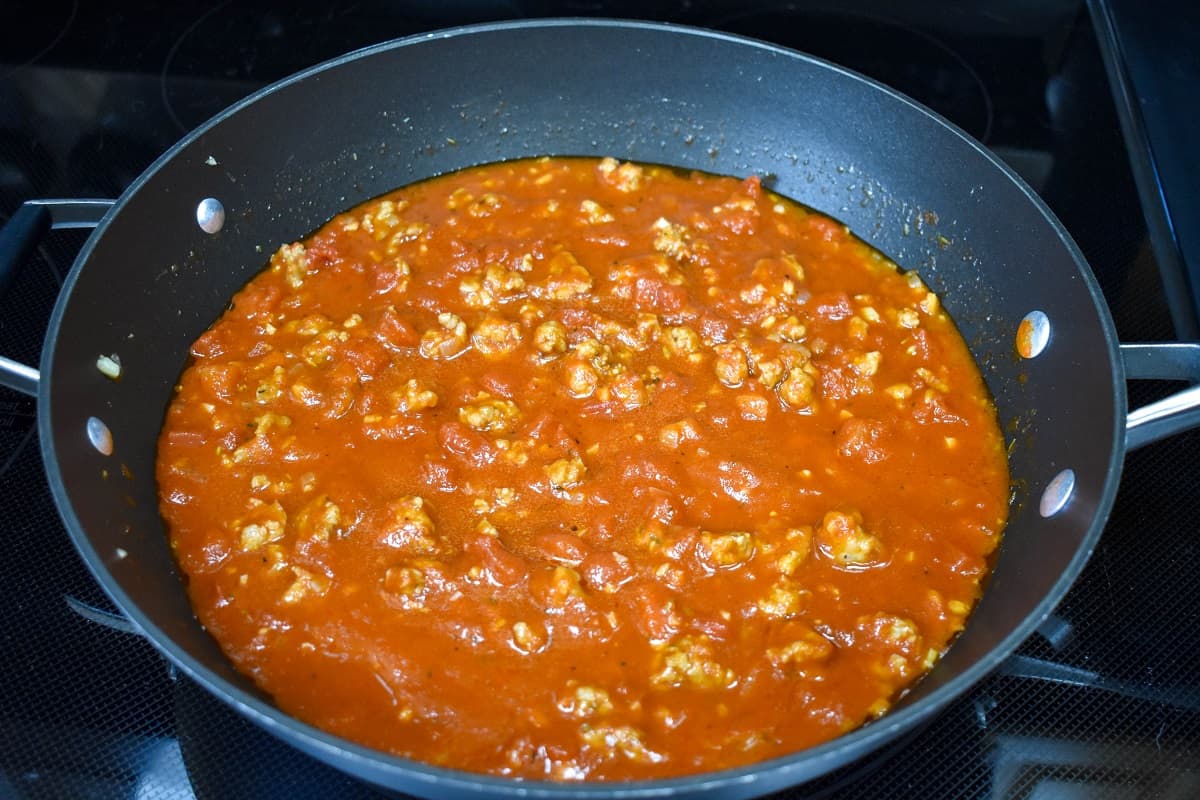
[(19, 236), (1179, 361)]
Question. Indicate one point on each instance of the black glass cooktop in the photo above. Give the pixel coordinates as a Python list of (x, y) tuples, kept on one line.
[(1103, 703)]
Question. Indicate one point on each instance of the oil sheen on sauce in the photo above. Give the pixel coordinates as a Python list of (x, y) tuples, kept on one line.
[(578, 470)]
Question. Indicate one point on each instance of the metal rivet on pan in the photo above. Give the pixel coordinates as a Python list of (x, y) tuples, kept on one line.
[(1033, 334), (210, 215), (100, 436), (1058, 493)]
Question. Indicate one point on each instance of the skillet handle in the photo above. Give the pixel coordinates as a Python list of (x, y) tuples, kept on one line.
[(1179, 412), (19, 236)]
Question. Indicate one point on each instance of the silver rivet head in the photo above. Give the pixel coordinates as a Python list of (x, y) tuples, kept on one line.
[(1033, 334), (1058, 493), (100, 436), (210, 215)]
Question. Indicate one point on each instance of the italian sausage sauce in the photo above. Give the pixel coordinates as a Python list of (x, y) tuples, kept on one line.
[(580, 470)]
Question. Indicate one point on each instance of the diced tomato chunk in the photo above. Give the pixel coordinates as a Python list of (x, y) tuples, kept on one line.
[(653, 294), (211, 344), (833, 306), (368, 356), (257, 299), (396, 331), (220, 380), (468, 446), (504, 568)]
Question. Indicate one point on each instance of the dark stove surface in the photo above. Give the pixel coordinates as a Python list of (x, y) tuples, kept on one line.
[(1103, 703)]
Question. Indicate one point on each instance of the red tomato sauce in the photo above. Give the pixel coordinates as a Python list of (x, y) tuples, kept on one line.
[(580, 470)]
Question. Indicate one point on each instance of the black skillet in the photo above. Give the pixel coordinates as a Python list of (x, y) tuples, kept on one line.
[(166, 257)]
